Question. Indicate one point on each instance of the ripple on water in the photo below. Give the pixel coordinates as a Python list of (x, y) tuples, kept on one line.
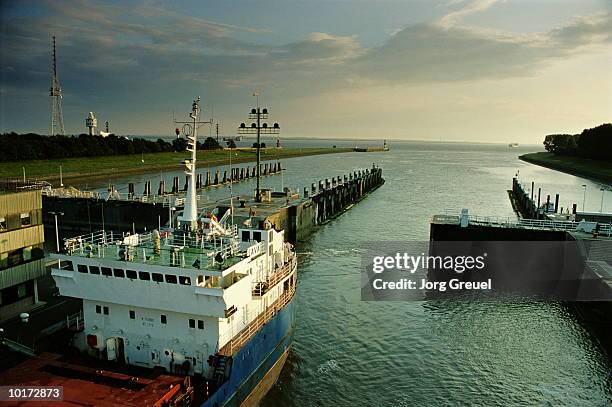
[(486, 352)]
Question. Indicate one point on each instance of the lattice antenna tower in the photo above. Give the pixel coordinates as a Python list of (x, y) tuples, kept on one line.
[(57, 119)]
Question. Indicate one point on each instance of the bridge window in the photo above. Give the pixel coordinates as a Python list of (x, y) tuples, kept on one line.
[(191, 323), (119, 273), (246, 236), (131, 274), (82, 268), (257, 236), (67, 265), (171, 279), (25, 219), (185, 280), (158, 278), (144, 275), (163, 319), (106, 271), (105, 310), (200, 324), (98, 309), (2, 223), (94, 269), (132, 315)]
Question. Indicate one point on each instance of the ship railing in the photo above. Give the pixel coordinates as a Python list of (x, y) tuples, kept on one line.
[(106, 237), (254, 326), (75, 322), (223, 244), (109, 237), (261, 287)]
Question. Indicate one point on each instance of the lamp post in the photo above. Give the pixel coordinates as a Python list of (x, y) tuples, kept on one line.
[(584, 196), (257, 127), (170, 210), (61, 177), (231, 141), (56, 214)]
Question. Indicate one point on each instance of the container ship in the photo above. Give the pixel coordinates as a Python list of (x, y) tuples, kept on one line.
[(199, 314)]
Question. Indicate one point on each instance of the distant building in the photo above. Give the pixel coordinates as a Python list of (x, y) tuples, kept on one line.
[(21, 251), (91, 123)]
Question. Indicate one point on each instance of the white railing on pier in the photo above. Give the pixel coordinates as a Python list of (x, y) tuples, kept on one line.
[(513, 222), (70, 192)]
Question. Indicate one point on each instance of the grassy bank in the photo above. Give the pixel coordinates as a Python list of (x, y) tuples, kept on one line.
[(113, 166), (584, 167)]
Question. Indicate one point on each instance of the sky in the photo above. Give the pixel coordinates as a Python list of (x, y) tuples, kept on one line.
[(493, 71)]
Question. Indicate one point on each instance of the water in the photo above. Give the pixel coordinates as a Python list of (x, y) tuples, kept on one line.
[(435, 353)]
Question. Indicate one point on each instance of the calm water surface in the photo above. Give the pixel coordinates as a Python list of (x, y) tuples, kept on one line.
[(430, 353)]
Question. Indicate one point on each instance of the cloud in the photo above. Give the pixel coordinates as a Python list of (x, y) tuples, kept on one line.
[(472, 7), (451, 52), (320, 48), (595, 29), (127, 54)]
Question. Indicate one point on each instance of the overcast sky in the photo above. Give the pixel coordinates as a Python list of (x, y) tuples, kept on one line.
[(473, 70)]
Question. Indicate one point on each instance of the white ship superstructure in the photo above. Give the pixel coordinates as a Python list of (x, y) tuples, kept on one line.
[(173, 299)]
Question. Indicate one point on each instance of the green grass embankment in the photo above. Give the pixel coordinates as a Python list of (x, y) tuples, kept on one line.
[(121, 165), (583, 167)]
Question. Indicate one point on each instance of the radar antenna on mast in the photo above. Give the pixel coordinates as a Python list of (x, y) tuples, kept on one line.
[(189, 218)]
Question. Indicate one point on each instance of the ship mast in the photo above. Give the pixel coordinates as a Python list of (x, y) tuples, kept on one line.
[(189, 218)]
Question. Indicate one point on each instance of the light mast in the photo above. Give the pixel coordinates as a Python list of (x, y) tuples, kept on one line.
[(257, 127)]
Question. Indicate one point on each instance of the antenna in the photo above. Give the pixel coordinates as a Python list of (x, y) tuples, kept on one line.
[(57, 119), (257, 127)]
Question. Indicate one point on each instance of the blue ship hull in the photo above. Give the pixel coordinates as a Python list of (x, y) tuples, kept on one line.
[(257, 364)]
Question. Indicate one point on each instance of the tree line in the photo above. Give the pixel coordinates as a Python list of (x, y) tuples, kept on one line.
[(593, 143), (31, 146)]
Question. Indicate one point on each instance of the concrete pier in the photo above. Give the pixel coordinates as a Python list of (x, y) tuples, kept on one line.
[(238, 174), (286, 210), (299, 215), (585, 285)]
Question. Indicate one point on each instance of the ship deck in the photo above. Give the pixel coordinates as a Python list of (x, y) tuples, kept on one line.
[(181, 251), (91, 384)]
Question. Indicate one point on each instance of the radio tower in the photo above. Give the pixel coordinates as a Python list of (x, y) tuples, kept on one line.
[(57, 120)]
